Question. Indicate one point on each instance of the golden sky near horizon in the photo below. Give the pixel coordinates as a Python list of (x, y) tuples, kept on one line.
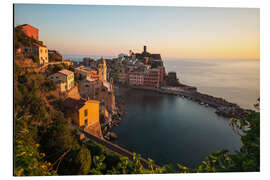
[(174, 32)]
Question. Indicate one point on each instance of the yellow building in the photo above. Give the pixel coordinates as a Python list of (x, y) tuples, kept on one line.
[(43, 55), (39, 51), (88, 113), (64, 76), (85, 114)]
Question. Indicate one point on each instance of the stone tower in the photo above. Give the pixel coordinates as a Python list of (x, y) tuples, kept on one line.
[(102, 70)]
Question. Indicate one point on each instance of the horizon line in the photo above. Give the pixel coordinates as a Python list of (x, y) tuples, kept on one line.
[(170, 58)]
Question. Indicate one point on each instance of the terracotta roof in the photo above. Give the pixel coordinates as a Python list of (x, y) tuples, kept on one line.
[(76, 104), (27, 25), (38, 45), (65, 72), (73, 104)]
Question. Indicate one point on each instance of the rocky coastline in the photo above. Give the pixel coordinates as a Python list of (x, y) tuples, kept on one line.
[(116, 117), (223, 107)]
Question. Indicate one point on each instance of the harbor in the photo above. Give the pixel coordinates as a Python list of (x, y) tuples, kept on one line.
[(223, 107), (168, 128)]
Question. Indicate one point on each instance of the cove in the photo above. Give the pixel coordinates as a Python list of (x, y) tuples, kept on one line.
[(171, 129)]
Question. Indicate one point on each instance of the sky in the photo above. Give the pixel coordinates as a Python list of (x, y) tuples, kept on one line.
[(174, 32)]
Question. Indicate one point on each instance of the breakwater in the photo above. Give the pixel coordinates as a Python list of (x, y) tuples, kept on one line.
[(223, 107)]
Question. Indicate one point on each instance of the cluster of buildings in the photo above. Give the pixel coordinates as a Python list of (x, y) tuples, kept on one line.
[(95, 92), (95, 83), (84, 112), (93, 71), (140, 69), (36, 49), (96, 79)]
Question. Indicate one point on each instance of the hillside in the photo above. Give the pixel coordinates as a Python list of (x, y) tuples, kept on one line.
[(46, 144), (20, 39)]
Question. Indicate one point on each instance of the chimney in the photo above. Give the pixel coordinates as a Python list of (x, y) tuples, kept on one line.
[(144, 48)]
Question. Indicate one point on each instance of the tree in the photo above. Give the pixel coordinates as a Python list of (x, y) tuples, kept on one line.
[(84, 160), (27, 159)]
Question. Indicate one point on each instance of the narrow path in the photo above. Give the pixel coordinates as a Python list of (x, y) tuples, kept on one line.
[(117, 149)]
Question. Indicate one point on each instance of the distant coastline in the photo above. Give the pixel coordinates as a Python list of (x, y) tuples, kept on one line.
[(244, 95)]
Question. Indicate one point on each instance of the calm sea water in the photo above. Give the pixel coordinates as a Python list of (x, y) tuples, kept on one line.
[(237, 81), (173, 130)]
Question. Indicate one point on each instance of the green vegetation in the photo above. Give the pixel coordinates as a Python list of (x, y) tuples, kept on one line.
[(20, 39), (45, 144), (54, 58)]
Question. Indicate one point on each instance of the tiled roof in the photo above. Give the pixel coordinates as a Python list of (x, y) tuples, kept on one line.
[(66, 72), (76, 104), (38, 45), (27, 25), (73, 104)]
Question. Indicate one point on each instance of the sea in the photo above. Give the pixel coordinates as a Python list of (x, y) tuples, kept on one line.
[(174, 130), (236, 80)]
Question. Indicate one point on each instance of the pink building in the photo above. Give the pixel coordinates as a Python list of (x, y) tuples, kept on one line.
[(136, 78)]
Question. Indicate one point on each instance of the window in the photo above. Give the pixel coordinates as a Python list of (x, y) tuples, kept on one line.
[(85, 113), (86, 122)]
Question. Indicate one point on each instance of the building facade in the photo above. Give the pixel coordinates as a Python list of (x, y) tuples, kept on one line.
[(136, 78), (102, 70), (87, 73), (89, 88), (54, 55), (66, 78), (151, 78), (39, 51), (43, 55), (85, 114)]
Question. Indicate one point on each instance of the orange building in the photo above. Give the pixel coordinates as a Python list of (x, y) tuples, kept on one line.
[(93, 75), (29, 31), (85, 114)]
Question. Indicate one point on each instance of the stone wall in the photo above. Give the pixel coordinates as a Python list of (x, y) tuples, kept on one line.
[(74, 93), (94, 129)]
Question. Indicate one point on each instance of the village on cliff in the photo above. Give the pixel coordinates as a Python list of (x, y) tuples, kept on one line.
[(88, 86)]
